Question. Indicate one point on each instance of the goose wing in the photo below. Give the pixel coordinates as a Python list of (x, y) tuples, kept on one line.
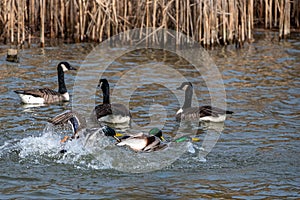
[(42, 92), (189, 114), (102, 110), (199, 112), (120, 109), (212, 111)]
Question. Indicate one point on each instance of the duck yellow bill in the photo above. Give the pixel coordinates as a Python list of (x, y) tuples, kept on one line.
[(162, 138), (195, 139), (119, 135)]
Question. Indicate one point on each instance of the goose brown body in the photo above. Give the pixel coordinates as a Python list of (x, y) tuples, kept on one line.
[(110, 112), (202, 113), (46, 95)]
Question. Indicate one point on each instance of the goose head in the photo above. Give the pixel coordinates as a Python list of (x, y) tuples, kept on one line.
[(103, 84), (185, 85), (65, 66)]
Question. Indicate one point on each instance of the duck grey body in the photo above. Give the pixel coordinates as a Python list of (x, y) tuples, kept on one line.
[(79, 126), (144, 142)]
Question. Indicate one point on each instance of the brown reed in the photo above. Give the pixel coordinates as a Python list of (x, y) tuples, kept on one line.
[(209, 22)]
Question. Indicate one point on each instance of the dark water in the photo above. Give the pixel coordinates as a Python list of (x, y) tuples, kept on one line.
[(256, 155)]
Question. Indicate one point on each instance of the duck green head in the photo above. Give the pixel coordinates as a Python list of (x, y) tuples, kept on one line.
[(157, 132), (108, 131)]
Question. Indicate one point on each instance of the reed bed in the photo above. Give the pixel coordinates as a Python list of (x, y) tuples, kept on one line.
[(209, 22)]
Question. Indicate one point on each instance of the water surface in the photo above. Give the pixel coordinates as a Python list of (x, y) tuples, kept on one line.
[(257, 151)]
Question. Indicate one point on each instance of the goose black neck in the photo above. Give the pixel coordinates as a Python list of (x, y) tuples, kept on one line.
[(105, 91), (61, 81), (188, 97)]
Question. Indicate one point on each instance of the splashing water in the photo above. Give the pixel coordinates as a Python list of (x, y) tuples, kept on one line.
[(96, 151)]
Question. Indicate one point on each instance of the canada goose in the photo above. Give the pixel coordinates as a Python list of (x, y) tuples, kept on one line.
[(79, 126), (46, 95), (203, 113), (111, 113), (144, 142)]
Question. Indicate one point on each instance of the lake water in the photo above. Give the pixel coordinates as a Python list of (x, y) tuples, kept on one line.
[(253, 155)]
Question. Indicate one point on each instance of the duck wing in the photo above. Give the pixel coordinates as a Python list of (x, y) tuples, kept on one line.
[(71, 117), (142, 142), (62, 118), (153, 144), (135, 142)]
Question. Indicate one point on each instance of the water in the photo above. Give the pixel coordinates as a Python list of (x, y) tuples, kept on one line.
[(256, 155)]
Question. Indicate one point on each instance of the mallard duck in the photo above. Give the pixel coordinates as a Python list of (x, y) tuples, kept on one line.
[(79, 126), (144, 142), (111, 113), (203, 113), (46, 95)]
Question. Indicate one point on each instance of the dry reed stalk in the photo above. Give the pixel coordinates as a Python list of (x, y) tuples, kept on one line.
[(214, 23), (125, 16), (243, 21), (232, 27), (250, 20), (154, 18), (12, 15), (23, 21), (177, 21), (55, 20), (75, 30), (62, 19), (207, 21), (287, 15), (100, 25), (18, 21), (114, 17), (224, 20), (206, 26), (266, 13), (84, 25), (50, 7), (270, 14), (5, 20), (187, 10), (70, 19), (42, 10), (281, 20), (297, 13), (200, 23), (276, 3)]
